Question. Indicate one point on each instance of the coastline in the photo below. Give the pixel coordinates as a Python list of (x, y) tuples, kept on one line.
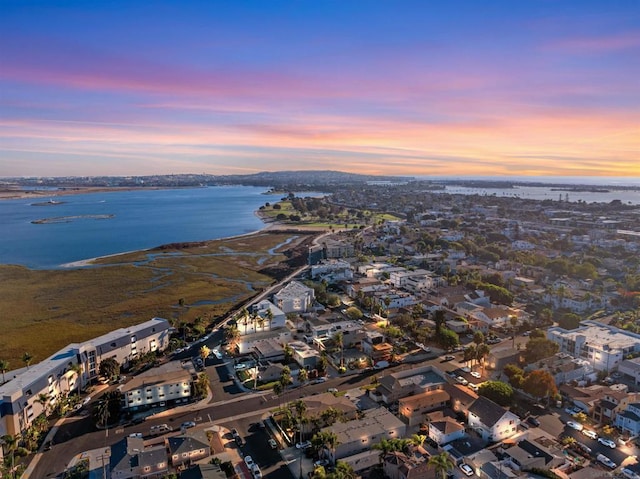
[(21, 194), (269, 225)]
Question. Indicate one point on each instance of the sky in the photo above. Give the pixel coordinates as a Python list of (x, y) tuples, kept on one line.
[(392, 87)]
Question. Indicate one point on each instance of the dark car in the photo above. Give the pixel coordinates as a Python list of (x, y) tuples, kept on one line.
[(533, 421), (236, 437)]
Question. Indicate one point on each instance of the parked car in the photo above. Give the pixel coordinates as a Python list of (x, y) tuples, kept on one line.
[(240, 366), (236, 437), (606, 461), (473, 387), (462, 380), (272, 443), (607, 442), (187, 425), (303, 445), (449, 357), (476, 374), (332, 390), (257, 473), (466, 468), (533, 421), (584, 447), (628, 473), (217, 353), (321, 462), (590, 434), (575, 425), (319, 380), (136, 434), (248, 460), (160, 429)]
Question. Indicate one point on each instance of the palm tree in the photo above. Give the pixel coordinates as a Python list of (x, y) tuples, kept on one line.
[(343, 471), (77, 369), (102, 412), (10, 443), (26, 359), (482, 352), (43, 399), (204, 352), (418, 439), (4, 367), (269, 315), (260, 321), (442, 463), (514, 322), (303, 376), (339, 339)]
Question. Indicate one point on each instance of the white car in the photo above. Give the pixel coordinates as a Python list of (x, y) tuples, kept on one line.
[(466, 468), (628, 473), (590, 434), (476, 374), (240, 366), (473, 387), (607, 442), (575, 425), (303, 445), (606, 461), (217, 354), (248, 460), (462, 380), (257, 473)]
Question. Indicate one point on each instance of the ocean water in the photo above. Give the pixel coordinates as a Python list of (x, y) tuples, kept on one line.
[(141, 219)]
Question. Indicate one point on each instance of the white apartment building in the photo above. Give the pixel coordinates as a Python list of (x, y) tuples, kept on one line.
[(170, 384), (603, 346), (19, 402), (295, 297)]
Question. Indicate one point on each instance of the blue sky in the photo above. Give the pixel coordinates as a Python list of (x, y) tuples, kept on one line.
[(404, 87)]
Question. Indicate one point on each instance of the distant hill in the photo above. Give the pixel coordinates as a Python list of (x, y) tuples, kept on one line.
[(276, 179)]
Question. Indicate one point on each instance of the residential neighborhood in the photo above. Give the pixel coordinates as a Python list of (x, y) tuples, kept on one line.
[(484, 337)]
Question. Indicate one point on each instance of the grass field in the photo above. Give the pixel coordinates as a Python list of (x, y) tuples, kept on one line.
[(43, 311)]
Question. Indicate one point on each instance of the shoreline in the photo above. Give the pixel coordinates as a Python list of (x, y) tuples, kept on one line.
[(269, 225)]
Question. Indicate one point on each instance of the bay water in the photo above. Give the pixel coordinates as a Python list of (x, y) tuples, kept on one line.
[(86, 226)]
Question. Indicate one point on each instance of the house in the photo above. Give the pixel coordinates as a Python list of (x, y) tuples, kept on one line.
[(363, 460), (527, 455), (203, 471), (631, 367), (185, 450), (398, 465), (565, 368), (628, 420), (332, 271), (445, 429), (401, 384), (130, 459), (267, 316), (497, 360), (294, 297), (359, 435), (170, 384), (491, 421), (304, 355), (412, 409), (460, 397)]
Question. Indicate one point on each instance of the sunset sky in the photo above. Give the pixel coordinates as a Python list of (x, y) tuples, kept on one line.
[(515, 87)]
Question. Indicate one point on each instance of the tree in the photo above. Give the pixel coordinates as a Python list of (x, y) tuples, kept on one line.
[(201, 386), (10, 443), (448, 339), (4, 367), (269, 317), (277, 388), (482, 351), (442, 463), (469, 354), (285, 377), (303, 376), (540, 384), (354, 313), (204, 352), (497, 391), (569, 321), (339, 339), (77, 369), (43, 399), (478, 338), (26, 359), (438, 318), (514, 322), (540, 348), (109, 368)]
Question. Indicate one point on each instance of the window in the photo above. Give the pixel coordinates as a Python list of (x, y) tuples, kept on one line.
[(147, 468), (113, 345)]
